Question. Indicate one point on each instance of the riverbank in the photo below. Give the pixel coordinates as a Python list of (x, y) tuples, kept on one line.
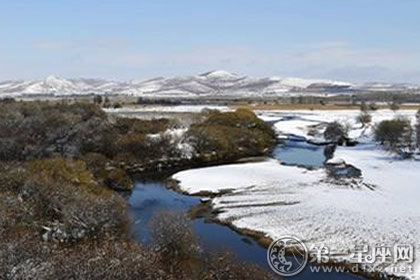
[(149, 198), (283, 200), (62, 166), (61, 162)]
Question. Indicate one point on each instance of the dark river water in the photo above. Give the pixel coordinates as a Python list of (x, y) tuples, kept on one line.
[(300, 153), (149, 197)]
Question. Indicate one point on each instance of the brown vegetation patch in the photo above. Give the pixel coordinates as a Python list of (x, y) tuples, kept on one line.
[(231, 135)]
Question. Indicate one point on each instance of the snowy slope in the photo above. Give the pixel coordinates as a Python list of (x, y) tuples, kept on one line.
[(212, 83), (53, 85), (215, 83), (304, 83)]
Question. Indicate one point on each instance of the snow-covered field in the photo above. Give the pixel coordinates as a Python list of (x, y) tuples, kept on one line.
[(301, 122), (283, 200), (167, 109), (184, 113)]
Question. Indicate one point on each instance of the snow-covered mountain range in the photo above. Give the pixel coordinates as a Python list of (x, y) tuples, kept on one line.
[(215, 83)]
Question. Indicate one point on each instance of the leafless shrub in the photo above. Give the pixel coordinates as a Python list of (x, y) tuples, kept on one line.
[(335, 132), (175, 239), (364, 118)]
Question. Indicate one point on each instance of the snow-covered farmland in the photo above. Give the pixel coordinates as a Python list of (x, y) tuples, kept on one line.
[(283, 200)]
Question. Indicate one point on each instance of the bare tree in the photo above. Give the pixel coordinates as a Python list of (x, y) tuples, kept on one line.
[(336, 132), (364, 118), (174, 238)]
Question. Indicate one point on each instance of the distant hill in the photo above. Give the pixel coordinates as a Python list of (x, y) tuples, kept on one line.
[(215, 83)]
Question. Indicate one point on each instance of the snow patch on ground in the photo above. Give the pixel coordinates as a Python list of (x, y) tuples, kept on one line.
[(301, 122), (283, 200), (167, 109), (177, 138), (399, 191), (233, 176)]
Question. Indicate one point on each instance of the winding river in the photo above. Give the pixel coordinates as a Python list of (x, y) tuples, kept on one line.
[(149, 197)]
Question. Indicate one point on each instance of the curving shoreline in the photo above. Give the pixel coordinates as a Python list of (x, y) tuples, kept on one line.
[(209, 213)]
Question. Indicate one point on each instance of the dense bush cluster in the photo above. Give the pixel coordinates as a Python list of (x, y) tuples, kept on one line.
[(57, 222), (34, 130), (61, 220), (396, 135), (231, 135), (37, 130), (61, 199)]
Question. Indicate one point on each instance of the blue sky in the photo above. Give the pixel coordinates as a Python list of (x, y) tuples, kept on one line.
[(354, 40)]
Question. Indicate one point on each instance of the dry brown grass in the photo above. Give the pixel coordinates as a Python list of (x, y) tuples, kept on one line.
[(57, 222), (182, 256), (231, 135), (62, 195), (58, 219)]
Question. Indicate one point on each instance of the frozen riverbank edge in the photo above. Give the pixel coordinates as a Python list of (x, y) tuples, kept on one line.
[(268, 200)]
